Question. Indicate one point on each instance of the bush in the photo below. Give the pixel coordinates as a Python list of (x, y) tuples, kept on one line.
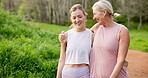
[(121, 19), (90, 23), (26, 51)]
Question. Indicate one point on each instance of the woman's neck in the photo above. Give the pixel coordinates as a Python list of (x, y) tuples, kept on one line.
[(109, 22)]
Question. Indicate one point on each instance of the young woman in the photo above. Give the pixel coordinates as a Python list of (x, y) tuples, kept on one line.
[(110, 44), (76, 47)]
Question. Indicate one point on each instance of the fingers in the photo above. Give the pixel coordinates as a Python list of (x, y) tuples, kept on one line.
[(126, 63), (62, 36), (62, 32)]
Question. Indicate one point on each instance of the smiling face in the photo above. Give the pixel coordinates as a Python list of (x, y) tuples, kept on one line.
[(98, 15), (78, 18), (102, 11)]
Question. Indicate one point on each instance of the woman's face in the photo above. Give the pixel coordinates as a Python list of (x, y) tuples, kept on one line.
[(98, 15), (78, 18)]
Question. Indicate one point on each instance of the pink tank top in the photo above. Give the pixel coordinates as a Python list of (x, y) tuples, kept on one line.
[(104, 52)]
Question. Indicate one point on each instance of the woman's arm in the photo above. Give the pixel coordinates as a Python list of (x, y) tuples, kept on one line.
[(93, 35), (61, 60), (63, 40), (94, 28), (124, 41)]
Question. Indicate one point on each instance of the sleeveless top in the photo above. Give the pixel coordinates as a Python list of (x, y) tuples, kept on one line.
[(103, 57), (78, 47)]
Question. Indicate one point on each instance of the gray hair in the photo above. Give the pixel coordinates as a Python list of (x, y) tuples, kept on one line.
[(104, 4)]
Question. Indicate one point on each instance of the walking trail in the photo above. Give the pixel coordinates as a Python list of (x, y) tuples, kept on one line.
[(137, 64)]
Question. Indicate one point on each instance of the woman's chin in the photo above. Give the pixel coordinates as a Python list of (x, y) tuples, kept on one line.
[(78, 25)]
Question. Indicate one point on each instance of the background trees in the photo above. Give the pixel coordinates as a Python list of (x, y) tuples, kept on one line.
[(57, 11)]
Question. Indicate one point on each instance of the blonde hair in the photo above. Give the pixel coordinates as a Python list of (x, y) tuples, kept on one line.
[(104, 4), (74, 8)]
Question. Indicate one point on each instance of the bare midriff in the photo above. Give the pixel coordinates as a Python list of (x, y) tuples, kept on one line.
[(76, 65)]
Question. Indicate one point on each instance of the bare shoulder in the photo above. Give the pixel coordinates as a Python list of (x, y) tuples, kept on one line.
[(124, 33), (124, 37), (94, 28), (124, 29)]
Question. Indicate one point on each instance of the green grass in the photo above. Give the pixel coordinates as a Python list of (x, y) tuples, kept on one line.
[(50, 27), (139, 40)]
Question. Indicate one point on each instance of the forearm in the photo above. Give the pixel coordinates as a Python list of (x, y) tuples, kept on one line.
[(61, 60), (60, 68), (117, 69)]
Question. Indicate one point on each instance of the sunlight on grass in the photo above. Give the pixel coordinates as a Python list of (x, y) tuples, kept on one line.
[(50, 27), (139, 40)]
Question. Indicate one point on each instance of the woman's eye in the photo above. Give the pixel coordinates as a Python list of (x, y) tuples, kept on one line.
[(80, 16), (74, 17)]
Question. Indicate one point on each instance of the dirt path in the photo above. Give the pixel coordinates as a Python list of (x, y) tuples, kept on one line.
[(138, 64)]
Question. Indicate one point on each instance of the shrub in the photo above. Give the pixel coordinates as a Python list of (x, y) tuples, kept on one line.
[(26, 51)]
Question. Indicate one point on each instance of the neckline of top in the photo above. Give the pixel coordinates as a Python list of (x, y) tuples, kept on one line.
[(80, 31), (109, 27)]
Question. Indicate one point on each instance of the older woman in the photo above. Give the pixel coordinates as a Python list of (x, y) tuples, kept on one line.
[(111, 42)]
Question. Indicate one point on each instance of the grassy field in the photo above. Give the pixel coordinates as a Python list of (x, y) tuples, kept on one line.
[(139, 40), (49, 27)]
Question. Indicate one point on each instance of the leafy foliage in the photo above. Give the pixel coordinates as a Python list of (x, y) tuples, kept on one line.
[(26, 51)]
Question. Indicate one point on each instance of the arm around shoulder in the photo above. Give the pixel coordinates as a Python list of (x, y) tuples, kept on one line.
[(94, 28)]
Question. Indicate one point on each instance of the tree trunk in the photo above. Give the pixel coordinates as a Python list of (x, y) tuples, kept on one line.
[(140, 23), (128, 21), (140, 17)]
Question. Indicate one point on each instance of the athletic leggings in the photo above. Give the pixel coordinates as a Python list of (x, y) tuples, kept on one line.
[(75, 72)]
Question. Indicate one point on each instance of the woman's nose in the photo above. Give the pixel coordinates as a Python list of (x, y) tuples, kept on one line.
[(94, 18), (77, 19)]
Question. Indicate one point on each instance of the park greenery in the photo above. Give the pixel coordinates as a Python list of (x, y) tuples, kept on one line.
[(134, 13), (26, 51), (31, 49)]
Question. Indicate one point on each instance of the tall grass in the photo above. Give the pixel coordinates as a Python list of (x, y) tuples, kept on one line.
[(26, 51)]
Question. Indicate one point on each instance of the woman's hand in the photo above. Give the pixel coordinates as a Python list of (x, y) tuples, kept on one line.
[(62, 37)]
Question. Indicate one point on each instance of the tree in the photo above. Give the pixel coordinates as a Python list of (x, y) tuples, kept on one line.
[(141, 11), (57, 11)]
